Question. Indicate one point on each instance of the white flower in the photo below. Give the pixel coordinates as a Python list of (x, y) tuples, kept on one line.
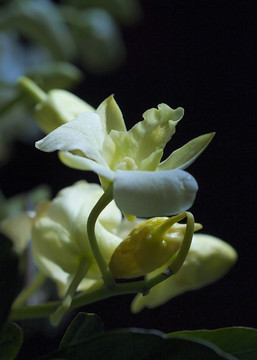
[(209, 259), (99, 141)]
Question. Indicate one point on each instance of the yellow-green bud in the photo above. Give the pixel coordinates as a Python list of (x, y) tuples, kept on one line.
[(147, 247), (54, 108), (208, 259), (58, 108)]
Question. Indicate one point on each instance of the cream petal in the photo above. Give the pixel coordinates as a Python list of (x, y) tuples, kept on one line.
[(52, 241), (66, 206), (18, 229), (187, 154), (111, 115), (51, 269), (149, 193), (145, 141)]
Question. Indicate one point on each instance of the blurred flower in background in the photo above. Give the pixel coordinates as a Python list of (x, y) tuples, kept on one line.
[(55, 45)]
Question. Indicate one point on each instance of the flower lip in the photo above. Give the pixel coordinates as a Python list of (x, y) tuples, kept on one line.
[(154, 193)]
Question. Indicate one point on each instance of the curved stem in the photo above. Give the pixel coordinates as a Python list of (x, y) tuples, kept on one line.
[(183, 251), (56, 317), (28, 291), (31, 88), (82, 299), (106, 198)]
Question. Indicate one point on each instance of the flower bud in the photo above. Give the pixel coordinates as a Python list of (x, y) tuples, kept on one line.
[(208, 260), (147, 247), (58, 108)]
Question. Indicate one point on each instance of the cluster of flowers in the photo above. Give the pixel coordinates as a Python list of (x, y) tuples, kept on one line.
[(134, 235)]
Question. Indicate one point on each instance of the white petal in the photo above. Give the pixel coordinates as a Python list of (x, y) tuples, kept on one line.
[(149, 193), (84, 133), (65, 207)]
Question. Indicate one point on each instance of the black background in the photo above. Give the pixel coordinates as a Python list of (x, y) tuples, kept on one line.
[(200, 55)]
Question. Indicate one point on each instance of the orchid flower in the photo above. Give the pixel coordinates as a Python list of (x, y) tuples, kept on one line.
[(143, 185)]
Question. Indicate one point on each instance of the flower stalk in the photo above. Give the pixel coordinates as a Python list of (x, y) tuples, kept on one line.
[(106, 198), (26, 293), (31, 88), (56, 317)]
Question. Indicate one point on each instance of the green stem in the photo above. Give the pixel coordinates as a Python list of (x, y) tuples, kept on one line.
[(82, 299), (183, 251), (31, 88), (30, 289), (106, 198), (66, 302)]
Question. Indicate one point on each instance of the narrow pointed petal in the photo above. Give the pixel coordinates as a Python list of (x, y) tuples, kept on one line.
[(149, 193), (187, 154), (111, 115)]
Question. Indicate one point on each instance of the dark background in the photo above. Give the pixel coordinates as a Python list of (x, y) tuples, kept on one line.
[(200, 55)]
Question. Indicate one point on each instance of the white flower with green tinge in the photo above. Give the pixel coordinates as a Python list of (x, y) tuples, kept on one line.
[(59, 233), (143, 185)]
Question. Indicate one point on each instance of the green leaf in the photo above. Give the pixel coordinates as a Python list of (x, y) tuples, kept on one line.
[(137, 344), (9, 278), (82, 328), (128, 344), (238, 341), (189, 349), (10, 342)]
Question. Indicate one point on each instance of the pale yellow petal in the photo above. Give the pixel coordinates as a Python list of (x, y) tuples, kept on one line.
[(111, 115), (187, 154), (18, 229)]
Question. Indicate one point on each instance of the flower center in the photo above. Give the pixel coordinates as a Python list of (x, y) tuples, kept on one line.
[(126, 164)]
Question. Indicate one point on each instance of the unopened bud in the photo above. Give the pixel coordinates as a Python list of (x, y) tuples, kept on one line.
[(147, 247), (54, 108)]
